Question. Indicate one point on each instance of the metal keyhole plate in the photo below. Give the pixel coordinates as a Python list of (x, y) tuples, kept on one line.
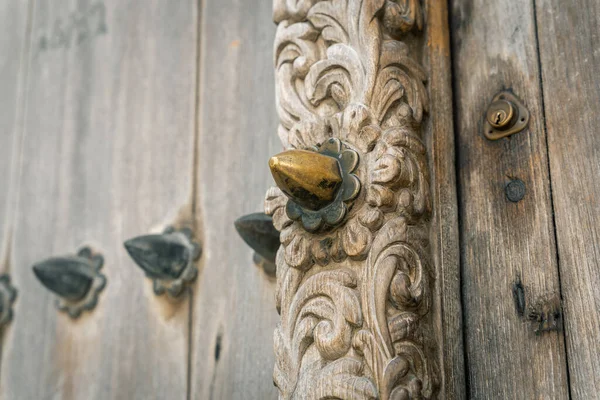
[(505, 116)]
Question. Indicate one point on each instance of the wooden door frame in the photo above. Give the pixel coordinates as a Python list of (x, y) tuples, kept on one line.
[(373, 300)]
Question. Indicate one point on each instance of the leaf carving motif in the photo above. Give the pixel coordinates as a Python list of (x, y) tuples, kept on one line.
[(355, 299)]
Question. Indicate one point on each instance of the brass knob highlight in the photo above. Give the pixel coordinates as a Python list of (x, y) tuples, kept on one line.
[(311, 179), (318, 183)]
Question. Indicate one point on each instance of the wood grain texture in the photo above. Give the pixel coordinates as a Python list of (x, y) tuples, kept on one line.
[(234, 307), (445, 234), (14, 16), (508, 249), (108, 154), (569, 33), (359, 316)]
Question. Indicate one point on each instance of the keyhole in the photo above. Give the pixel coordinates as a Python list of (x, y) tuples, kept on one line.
[(503, 115), (498, 117)]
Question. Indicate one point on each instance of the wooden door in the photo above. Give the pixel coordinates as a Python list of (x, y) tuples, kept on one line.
[(529, 265), (124, 118), (116, 117)]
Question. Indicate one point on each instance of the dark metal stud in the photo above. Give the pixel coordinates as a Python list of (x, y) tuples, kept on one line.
[(167, 259), (515, 190), (258, 232), (76, 279), (8, 295)]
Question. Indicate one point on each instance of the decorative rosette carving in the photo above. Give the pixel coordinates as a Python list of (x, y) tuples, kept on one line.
[(353, 288)]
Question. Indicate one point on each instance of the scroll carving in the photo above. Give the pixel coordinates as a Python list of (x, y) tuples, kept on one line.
[(354, 296)]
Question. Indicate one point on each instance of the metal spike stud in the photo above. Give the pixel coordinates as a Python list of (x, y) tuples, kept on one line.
[(76, 279), (258, 232), (8, 294), (167, 259), (310, 178)]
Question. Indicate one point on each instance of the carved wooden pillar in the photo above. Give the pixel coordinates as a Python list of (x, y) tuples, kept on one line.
[(357, 278)]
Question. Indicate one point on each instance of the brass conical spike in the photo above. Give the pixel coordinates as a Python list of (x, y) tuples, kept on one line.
[(310, 178)]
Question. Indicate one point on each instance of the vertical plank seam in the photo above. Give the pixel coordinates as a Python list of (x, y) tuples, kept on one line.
[(199, 4), (459, 200), (19, 133), (544, 127), (458, 388), (195, 168), (190, 342)]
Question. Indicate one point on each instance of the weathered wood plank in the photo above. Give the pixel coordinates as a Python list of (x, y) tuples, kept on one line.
[(569, 33), (14, 16), (234, 306), (108, 154), (444, 231), (509, 266)]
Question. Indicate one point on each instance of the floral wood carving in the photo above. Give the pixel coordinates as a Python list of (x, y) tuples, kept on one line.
[(354, 298)]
